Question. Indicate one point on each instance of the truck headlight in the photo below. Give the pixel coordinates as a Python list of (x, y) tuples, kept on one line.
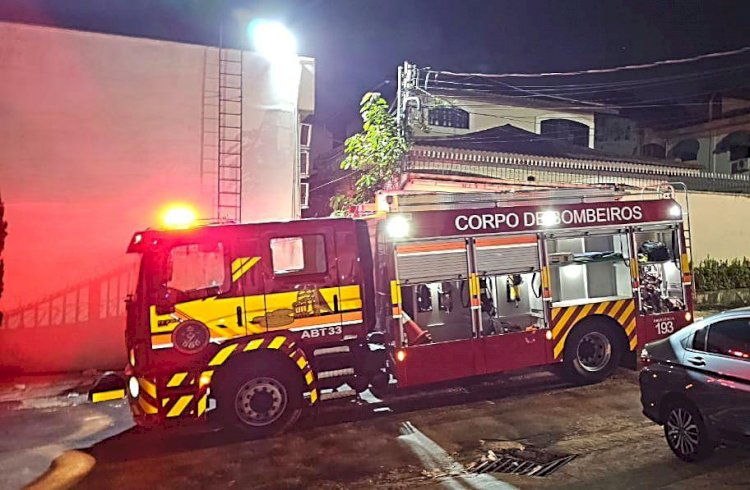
[(134, 387)]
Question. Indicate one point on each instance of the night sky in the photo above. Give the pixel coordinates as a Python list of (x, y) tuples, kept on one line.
[(359, 44)]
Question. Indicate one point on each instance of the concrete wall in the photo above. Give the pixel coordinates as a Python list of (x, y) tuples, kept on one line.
[(99, 132), (719, 225)]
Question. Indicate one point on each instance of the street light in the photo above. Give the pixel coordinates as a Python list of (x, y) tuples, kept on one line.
[(272, 39)]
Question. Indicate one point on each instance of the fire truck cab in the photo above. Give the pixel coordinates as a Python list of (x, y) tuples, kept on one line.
[(262, 320)]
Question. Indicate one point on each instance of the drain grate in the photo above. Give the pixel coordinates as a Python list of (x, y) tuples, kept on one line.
[(519, 464)]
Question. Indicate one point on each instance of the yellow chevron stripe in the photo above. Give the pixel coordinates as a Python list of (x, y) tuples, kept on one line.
[(602, 306), (555, 312), (222, 355), (302, 363), (561, 324), (237, 263), (146, 406), (246, 266), (560, 345), (202, 404), (253, 344), (164, 402), (309, 378), (179, 407), (630, 327), (277, 342), (176, 379), (313, 396), (616, 308), (633, 342), (584, 313), (148, 387), (626, 313)]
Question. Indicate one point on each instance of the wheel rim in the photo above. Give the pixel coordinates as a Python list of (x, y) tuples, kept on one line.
[(594, 351), (682, 431), (260, 401)]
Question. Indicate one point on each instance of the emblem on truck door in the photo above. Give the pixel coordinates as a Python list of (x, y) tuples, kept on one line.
[(190, 336)]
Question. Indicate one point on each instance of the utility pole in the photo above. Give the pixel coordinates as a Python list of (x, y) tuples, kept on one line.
[(408, 76)]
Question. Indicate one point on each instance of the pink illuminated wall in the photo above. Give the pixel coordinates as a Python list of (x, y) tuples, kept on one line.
[(97, 133)]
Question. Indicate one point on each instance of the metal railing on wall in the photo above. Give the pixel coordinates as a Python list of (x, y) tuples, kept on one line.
[(91, 301), (531, 168)]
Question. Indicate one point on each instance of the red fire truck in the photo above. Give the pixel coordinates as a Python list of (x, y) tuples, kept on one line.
[(262, 320)]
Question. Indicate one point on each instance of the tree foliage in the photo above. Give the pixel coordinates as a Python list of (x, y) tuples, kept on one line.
[(373, 155)]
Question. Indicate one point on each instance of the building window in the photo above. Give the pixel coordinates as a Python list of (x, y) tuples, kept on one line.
[(448, 117), (573, 132), (654, 150), (686, 150)]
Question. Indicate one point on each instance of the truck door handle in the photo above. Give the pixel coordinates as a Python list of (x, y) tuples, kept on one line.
[(239, 316), (335, 303), (697, 361)]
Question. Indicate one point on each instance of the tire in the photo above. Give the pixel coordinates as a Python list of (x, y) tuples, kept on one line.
[(592, 352), (260, 400), (686, 433)]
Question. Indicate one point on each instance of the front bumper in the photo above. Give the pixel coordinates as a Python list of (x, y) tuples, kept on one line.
[(167, 399)]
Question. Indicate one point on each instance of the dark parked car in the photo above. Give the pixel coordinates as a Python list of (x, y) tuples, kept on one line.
[(696, 383)]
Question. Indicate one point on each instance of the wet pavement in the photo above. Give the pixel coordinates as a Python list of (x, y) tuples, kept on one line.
[(424, 439)]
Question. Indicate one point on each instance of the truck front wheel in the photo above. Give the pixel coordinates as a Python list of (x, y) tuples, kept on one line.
[(260, 401)]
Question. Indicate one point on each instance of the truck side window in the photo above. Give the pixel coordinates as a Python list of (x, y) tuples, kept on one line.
[(299, 255)]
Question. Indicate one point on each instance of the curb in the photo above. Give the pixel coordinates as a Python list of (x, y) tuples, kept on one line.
[(64, 472)]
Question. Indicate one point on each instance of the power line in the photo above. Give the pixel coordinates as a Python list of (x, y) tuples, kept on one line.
[(615, 69)]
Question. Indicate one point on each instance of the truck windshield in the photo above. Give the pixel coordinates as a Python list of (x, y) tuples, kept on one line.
[(195, 271)]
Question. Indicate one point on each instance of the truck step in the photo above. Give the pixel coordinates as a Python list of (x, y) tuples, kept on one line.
[(337, 394), (323, 351), (336, 373)]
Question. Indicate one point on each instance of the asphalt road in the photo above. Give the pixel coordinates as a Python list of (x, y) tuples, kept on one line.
[(425, 440)]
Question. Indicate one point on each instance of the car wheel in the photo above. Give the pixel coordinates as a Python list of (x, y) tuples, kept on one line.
[(261, 401), (591, 353), (686, 433)]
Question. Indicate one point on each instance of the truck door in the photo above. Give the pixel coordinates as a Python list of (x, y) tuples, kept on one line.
[(512, 314), (301, 285), (247, 274)]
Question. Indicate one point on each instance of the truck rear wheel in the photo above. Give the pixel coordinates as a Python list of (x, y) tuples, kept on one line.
[(261, 400), (592, 352)]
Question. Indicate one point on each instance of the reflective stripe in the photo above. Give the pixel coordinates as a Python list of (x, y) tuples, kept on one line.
[(176, 380), (146, 406), (243, 268), (277, 342), (105, 396), (313, 396), (253, 344), (302, 362), (222, 355), (309, 377), (148, 387), (202, 404), (178, 407)]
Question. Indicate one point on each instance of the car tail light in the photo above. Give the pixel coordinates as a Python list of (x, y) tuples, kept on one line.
[(646, 358)]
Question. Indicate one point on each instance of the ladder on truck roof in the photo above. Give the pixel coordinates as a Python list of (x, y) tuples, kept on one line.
[(432, 201)]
